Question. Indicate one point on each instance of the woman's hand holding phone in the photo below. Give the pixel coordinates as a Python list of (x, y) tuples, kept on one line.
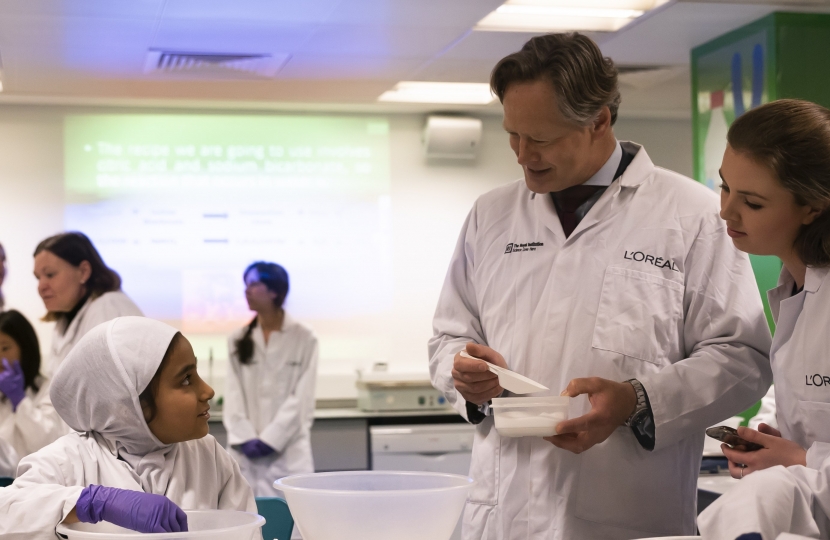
[(776, 451)]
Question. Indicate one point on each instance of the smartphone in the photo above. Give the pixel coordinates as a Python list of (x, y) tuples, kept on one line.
[(730, 436)]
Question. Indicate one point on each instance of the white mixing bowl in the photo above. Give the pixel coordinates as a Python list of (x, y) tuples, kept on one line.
[(375, 505), (201, 524)]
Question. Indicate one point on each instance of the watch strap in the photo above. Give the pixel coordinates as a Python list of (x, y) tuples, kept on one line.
[(642, 402)]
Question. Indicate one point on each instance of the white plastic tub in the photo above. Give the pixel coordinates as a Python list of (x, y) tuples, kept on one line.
[(201, 524), (375, 505), (529, 416)]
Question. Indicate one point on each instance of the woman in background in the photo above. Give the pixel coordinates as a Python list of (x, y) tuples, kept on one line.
[(269, 394), (78, 289), (28, 422)]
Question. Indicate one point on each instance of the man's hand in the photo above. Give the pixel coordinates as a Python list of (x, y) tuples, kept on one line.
[(776, 451), (472, 379), (611, 405)]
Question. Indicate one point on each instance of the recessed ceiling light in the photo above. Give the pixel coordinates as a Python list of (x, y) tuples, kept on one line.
[(439, 92), (559, 15)]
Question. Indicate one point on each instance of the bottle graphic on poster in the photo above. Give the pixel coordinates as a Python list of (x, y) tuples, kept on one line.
[(715, 144)]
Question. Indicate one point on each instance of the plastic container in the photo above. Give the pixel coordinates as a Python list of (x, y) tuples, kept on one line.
[(529, 416), (375, 505), (202, 524)]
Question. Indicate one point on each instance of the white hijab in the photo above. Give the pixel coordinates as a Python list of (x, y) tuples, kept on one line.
[(96, 390)]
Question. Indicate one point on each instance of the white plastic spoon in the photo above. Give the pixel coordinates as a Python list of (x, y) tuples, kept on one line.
[(510, 380)]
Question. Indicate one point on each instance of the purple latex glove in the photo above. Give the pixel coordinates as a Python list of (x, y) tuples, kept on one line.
[(134, 510), (12, 382), (256, 449)]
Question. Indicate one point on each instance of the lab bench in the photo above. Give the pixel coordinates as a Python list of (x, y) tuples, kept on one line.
[(341, 437)]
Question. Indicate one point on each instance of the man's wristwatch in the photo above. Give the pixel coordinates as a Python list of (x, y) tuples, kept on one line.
[(642, 406)]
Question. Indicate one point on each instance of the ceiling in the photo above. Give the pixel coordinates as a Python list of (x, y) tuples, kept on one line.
[(331, 54)]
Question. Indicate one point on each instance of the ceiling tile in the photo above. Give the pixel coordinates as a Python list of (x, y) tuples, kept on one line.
[(490, 46), (230, 36), (456, 70), (85, 8), (381, 40), (256, 11), (329, 67), (106, 47), (426, 13), (667, 36)]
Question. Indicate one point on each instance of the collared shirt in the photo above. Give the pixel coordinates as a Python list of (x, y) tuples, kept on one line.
[(608, 172)]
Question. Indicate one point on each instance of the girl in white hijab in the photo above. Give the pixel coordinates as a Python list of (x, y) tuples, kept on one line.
[(142, 453)]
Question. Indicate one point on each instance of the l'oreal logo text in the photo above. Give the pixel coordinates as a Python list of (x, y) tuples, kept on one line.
[(527, 246), (659, 262), (817, 380)]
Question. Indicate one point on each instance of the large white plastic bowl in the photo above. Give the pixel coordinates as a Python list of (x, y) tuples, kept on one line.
[(376, 505), (202, 524)]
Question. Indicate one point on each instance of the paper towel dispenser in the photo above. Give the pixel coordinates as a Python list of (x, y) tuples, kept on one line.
[(451, 137)]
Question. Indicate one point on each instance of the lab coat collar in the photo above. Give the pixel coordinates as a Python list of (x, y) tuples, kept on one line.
[(814, 278), (605, 175), (779, 293), (812, 282), (288, 322), (640, 170), (641, 167)]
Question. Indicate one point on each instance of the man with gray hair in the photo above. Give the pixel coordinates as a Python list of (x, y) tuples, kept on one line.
[(609, 278)]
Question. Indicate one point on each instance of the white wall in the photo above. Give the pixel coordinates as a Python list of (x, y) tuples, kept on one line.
[(429, 204)]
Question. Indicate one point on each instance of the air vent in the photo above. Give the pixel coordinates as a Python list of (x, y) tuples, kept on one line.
[(214, 65)]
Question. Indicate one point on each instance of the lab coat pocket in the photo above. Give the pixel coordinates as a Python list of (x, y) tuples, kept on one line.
[(287, 378), (640, 315), (484, 467), (813, 421), (622, 485)]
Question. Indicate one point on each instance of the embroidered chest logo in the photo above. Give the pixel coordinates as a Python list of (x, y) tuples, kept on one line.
[(527, 246), (659, 262)]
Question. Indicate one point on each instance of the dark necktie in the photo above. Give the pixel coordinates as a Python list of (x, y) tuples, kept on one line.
[(568, 201)]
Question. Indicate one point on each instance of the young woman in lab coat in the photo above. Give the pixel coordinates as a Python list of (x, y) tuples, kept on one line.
[(269, 390), (28, 422), (78, 289), (776, 201), (141, 454)]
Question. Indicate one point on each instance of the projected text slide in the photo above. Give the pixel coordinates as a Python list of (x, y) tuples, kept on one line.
[(179, 205)]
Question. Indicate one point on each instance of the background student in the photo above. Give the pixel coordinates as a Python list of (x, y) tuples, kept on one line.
[(28, 422), (269, 390), (141, 455), (78, 290)]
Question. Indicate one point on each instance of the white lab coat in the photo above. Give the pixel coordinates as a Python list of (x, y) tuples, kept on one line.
[(772, 501), (34, 425), (272, 399), (800, 359), (95, 311), (203, 477), (648, 286), (797, 499)]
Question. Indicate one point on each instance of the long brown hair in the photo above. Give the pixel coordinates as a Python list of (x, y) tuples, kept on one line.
[(75, 248), (792, 138)]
